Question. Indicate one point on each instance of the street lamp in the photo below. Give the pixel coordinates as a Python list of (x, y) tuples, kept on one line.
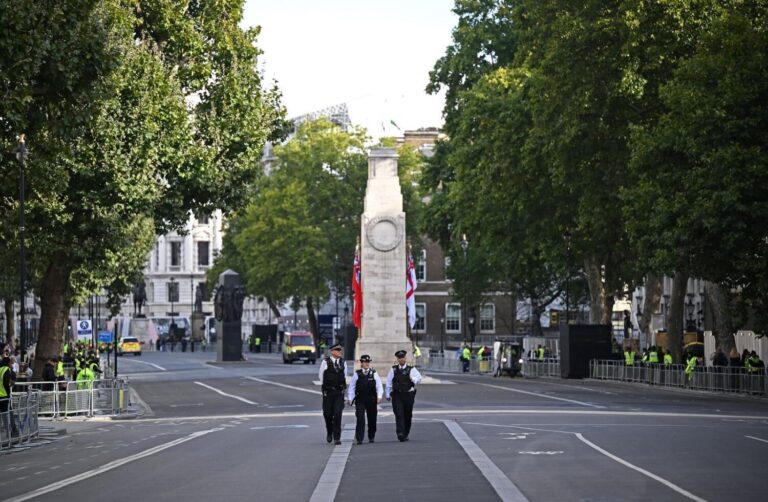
[(472, 326), (21, 155), (172, 327), (464, 246), (442, 334), (689, 308), (567, 237)]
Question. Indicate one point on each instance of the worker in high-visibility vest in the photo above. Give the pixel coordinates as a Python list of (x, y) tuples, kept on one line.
[(667, 359), (629, 356), (689, 367)]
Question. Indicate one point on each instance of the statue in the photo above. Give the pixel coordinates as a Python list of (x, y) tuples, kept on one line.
[(139, 298), (198, 299), (228, 303)]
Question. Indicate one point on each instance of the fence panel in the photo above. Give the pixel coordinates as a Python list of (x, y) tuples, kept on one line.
[(19, 424)]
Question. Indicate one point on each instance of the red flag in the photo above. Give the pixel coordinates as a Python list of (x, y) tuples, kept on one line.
[(357, 291), (410, 289)]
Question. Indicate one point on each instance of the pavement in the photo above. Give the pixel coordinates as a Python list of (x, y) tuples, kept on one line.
[(254, 431)]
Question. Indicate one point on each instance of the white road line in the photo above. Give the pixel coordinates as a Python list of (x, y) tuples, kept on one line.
[(329, 481), (246, 401), (641, 470), (315, 392), (538, 395), (144, 362), (108, 467), (756, 439), (499, 481), (280, 427)]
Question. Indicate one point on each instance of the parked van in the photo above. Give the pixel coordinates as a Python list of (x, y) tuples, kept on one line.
[(299, 346)]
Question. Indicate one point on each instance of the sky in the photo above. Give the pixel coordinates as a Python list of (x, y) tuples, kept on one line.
[(375, 56)]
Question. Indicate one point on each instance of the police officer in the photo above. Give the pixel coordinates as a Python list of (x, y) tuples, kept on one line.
[(332, 374), (366, 391), (401, 389)]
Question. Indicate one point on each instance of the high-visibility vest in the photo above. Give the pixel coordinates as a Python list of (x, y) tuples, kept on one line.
[(416, 351), (540, 352), (480, 352), (60, 369), (653, 357), (667, 359), (751, 364), (691, 364), (3, 371), (629, 357), (84, 377), (466, 353)]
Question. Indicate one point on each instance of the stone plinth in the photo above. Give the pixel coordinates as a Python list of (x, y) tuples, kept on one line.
[(198, 327), (382, 257), (229, 344)]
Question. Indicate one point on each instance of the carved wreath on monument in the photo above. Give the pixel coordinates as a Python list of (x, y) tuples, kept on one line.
[(384, 232), (228, 303)]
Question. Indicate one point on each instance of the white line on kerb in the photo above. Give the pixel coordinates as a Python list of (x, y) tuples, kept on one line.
[(329, 481), (109, 466), (246, 401), (504, 486), (315, 392), (539, 395), (756, 439), (640, 470)]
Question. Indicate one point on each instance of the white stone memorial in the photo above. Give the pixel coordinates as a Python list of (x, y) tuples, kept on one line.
[(382, 257)]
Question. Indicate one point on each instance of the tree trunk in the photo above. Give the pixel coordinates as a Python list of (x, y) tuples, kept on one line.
[(55, 301), (10, 326), (600, 307), (536, 317), (273, 307), (722, 326), (675, 314), (312, 317), (651, 302)]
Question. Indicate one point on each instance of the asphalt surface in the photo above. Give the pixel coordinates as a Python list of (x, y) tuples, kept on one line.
[(254, 431)]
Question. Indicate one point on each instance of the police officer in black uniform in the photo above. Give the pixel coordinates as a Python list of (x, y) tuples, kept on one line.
[(366, 391), (401, 389), (333, 377)]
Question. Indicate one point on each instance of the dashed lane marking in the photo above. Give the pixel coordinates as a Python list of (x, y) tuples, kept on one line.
[(145, 362), (246, 401), (757, 439), (315, 392), (329, 481)]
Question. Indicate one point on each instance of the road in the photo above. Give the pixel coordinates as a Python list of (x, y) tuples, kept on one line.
[(254, 431)]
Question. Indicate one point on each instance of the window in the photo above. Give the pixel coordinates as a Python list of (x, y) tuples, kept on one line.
[(488, 317), (157, 255), (202, 219), (173, 291), (421, 317), (175, 254), (203, 253), (421, 266), (452, 317)]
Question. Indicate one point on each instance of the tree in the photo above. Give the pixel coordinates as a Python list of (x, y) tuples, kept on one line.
[(163, 113)]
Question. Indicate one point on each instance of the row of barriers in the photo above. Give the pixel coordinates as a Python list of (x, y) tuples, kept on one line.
[(19, 425), (449, 363), (710, 378), (64, 399)]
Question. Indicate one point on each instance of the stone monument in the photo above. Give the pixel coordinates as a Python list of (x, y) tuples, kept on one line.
[(228, 303), (382, 257)]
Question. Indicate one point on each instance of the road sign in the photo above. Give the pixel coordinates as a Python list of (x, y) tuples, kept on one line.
[(105, 337), (84, 330)]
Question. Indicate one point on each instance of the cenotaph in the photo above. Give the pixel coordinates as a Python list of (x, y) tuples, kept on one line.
[(382, 257)]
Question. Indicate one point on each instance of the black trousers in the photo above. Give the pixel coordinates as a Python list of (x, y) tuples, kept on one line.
[(365, 408), (333, 405), (402, 407)]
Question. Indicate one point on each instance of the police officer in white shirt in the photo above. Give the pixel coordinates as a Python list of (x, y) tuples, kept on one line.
[(366, 391), (332, 374), (401, 388)]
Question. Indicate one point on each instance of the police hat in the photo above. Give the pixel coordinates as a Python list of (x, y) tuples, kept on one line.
[(365, 358), (400, 353), (337, 347)]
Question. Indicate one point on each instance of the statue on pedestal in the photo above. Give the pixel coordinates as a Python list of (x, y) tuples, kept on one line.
[(139, 298), (198, 299)]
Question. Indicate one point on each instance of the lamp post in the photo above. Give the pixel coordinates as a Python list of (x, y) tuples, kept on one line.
[(464, 248), (172, 327), (21, 155), (472, 327), (442, 334), (690, 325), (567, 237)]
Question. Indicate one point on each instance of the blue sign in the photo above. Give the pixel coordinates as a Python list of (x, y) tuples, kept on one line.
[(105, 337), (84, 329)]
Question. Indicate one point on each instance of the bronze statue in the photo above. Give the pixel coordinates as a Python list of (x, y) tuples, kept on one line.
[(198, 299), (228, 303), (139, 298)]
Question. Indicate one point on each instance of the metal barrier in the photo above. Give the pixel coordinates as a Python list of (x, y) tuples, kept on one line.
[(451, 364), (64, 399), (535, 368), (19, 424), (710, 378)]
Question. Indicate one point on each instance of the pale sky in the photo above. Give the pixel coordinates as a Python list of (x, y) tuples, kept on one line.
[(375, 56)]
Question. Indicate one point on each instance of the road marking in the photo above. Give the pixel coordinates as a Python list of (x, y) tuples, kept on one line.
[(185, 405), (582, 403), (756, 439), (329, 481), (558, 452), (246, 401), (503, 486), (144, 362), (315, 392), (280, 427), (285, 406), (640, 470), (108, 467)]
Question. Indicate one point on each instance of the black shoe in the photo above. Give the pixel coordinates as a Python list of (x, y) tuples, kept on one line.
[(359, 441), (405, 438), (400, 437), (370, 440), (329, 438), (338, 441)]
